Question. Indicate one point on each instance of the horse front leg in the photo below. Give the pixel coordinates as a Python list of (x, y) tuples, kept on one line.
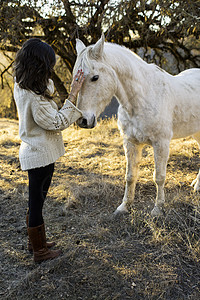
[(133, 157), (161, 154)]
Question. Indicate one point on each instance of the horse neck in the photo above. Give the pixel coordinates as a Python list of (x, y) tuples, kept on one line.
[(130, 70)]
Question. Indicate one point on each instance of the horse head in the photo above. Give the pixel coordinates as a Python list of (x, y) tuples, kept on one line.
[(99, 85)]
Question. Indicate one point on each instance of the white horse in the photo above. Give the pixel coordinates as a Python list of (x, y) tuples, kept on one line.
[(155, 107)]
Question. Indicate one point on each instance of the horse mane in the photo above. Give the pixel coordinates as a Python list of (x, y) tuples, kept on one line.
[(121, 58)]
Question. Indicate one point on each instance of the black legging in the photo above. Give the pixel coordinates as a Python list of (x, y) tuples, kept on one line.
[(39, 182)]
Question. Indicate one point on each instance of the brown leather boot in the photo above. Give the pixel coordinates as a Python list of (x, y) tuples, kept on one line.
[(38, 241), (29, 246)]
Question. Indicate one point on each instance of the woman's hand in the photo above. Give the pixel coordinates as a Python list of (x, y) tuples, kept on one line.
[(76, 85)]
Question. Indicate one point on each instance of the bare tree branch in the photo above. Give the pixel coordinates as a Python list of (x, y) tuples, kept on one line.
[(4, 71), (161, 25)]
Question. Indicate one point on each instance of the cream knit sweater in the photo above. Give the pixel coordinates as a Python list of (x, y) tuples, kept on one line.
[(40, 125)]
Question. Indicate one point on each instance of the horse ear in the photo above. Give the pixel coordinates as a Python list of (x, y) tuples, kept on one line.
[(97, 50), (79, 46)]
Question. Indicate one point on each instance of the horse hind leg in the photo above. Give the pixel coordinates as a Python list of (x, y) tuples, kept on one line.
[(196, 181)]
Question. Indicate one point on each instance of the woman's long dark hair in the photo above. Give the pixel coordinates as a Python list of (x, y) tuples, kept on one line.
[(33, 66)]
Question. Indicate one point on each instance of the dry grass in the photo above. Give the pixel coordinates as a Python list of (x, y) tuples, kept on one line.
[(104, 258)]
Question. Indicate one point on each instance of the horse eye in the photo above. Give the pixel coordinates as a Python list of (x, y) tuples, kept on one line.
[(95, 78)]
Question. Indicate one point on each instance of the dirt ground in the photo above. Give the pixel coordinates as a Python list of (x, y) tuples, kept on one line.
[(104, 257)]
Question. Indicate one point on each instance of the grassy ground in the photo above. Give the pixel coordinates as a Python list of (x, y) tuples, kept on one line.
[(104, 258)]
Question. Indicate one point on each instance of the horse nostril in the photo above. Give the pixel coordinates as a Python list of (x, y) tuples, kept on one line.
[(87, 123), (84, 122)]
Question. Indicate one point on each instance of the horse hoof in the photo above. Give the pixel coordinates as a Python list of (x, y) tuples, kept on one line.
[(197, 187), (118, 212), (156, 212), (196, 184)]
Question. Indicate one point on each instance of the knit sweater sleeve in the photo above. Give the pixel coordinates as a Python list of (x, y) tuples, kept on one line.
[(49, 118)]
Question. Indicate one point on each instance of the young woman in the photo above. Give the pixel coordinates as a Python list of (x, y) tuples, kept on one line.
[(40, 126)]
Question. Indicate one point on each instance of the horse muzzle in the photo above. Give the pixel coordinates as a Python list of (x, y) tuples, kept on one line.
[(87, 122)]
